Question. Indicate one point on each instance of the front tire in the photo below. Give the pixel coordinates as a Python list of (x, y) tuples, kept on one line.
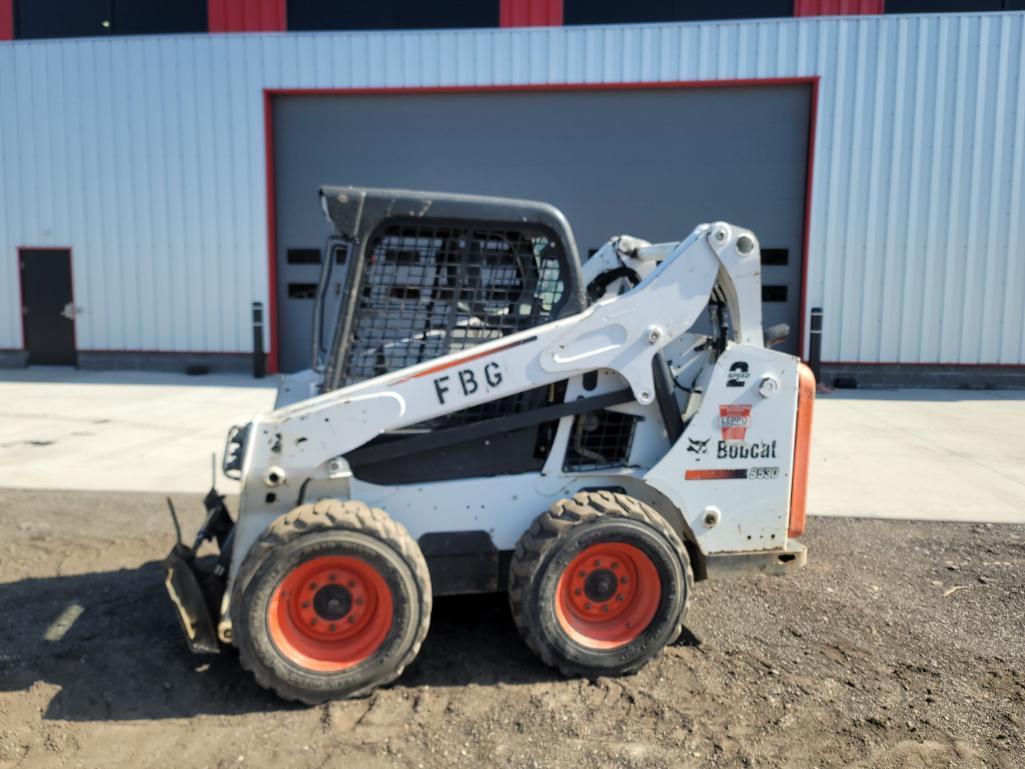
[(332, 601), (599, 585)]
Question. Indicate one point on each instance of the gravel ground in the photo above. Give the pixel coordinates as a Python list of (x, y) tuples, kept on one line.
[(900, 645)]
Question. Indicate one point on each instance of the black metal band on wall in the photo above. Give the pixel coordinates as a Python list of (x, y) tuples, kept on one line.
[(815, 343), (259, 358)]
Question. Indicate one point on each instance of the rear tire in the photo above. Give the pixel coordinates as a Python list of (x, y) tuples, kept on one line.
[(332, 601), (599, 585)]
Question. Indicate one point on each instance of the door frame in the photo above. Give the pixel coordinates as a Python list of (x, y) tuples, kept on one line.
[(268, 137), (21, 294)]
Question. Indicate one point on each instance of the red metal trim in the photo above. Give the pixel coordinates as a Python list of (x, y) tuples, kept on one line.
[(837, 7), (21, 291), (530, 13), (270, 93), (921, 365), (6, 19), (245, 15), (619, 86)]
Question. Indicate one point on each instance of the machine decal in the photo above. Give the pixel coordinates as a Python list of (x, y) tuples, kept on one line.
[(466, 359), (698, 447), (734, 421), (468, 381), (762, 450), (738, 375), (746, 473)]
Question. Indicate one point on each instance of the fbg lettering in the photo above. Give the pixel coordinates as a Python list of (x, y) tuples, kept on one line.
[(466, 381)]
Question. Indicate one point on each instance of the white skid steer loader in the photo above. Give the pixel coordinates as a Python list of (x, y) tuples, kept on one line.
[(493, 416)]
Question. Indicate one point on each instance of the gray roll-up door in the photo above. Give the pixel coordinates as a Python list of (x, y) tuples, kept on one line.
[(648, 162)]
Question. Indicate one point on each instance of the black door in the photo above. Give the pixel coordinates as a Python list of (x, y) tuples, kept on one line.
[(47, 307)]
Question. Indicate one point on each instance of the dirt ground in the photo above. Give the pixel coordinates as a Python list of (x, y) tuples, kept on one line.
[(900, 645)]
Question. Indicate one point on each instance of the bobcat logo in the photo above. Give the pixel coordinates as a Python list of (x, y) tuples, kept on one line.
[(698, 447)]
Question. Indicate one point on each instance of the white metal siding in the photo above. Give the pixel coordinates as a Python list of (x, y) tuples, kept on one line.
[(146, 156)]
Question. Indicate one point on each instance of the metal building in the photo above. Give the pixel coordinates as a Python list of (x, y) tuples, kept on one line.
[(154, 186)]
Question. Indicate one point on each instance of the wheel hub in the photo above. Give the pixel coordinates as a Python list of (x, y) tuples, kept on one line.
[(332, 602), (600, 585), (608, 595), (330, 612)]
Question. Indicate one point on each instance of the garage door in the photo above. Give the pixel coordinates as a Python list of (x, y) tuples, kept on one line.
[(648, 162)]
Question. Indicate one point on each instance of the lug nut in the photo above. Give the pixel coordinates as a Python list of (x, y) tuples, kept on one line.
[(619, 597), (577, 591), (332, 577), (352, 619), (615, 564), (605, 608), (352, 584), (332, 627), (306, 604), (313, 586), (581, 574), (359, 601), (623, 580), (587, 606), (597, 563), (313, 621)]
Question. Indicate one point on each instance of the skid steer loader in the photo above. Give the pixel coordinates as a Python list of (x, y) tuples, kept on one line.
[(494, 416)]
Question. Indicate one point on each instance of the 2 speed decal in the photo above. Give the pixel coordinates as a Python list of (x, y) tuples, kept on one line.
[(738, 374)]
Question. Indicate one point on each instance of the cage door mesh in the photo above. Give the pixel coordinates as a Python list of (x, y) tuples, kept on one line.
[(429, 288)]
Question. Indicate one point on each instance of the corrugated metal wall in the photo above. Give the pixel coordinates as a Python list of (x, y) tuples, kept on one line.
[(146, 156)]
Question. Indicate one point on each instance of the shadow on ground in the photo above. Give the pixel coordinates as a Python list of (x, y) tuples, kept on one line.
[(124, 656)]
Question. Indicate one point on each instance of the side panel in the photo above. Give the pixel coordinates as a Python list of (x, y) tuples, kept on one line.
[(736, 455)]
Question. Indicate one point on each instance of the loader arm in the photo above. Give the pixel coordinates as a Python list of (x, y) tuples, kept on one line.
[(288, 448)]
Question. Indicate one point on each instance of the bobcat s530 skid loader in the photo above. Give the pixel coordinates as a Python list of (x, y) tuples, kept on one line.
[(494, 416)]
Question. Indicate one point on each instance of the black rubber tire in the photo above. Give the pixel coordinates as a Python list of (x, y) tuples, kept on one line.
[(551, 543), (331, 527)]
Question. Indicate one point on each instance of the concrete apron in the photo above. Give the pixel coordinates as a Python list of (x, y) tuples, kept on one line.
[(925, 454), (950, 455)]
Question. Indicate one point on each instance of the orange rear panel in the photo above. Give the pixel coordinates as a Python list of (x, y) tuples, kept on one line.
[(802, 450)]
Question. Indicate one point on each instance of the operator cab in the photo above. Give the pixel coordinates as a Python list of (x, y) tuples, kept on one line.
[(410, 276)]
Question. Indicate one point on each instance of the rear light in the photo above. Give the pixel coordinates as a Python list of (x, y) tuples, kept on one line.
[(802, 450)]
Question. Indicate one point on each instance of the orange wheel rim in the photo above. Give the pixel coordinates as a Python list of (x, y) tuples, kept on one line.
[(330, 613), (608, 595)]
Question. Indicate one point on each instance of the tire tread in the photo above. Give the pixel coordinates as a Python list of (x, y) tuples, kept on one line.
[(329, 515), (529, 557)]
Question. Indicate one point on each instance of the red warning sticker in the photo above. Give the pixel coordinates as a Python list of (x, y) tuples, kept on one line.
[(734, 421)]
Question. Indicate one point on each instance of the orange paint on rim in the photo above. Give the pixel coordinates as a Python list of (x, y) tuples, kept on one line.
[(608, 595), (330, 613)]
